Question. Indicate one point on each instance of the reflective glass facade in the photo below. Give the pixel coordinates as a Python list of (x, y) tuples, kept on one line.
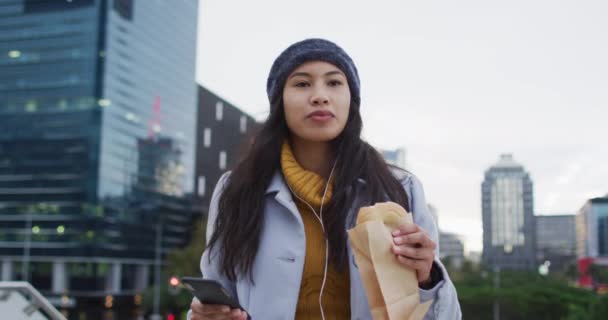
[(507, 210), (98, 106), (151, 94), (50, 122)]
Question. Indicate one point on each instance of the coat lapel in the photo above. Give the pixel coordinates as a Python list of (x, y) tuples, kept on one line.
[(358, 299)]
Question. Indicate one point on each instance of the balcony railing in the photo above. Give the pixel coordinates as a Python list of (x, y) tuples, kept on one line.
[(19, 300)]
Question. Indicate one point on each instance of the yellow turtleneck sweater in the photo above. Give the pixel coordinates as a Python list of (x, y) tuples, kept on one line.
[(336, 293)]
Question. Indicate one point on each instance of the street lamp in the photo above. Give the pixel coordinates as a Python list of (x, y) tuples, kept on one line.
[(507, 249), (496, 306), (157, 260)]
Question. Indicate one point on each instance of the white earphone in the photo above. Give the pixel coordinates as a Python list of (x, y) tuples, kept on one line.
[(320, 218)]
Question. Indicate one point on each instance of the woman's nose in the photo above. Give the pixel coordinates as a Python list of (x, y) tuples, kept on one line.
[(319, 98)]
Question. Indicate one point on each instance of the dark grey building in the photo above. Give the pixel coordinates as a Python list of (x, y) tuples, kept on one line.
[(556, 240), (509, 239), (224, 134), (98, 107)]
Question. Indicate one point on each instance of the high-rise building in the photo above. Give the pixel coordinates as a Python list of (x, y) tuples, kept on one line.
[(224, 133), (592, 228), (556, 240), (509, 239), (98, 105), (451, 245), (451, 249), (395, 157)]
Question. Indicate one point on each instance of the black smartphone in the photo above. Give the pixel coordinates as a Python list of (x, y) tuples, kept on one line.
[(210, 292)]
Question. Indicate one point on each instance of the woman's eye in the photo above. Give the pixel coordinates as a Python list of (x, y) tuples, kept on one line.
[(335, 83), (301, 84)]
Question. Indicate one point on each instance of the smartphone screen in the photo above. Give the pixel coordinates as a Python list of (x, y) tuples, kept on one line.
[(210, 292)]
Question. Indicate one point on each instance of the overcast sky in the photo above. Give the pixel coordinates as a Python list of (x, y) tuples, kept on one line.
[(456, 83)]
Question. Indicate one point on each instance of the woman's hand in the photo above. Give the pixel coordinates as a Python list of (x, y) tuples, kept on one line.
[(215, 312), (414, 249)]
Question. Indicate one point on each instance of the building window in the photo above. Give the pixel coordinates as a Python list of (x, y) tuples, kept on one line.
[(124, 8), (222, 160), (62, 104), (207, 137), (31, 106), (201, 186), (14, 54), (37, 6), (243, 124), (104, 102), (219, 110)]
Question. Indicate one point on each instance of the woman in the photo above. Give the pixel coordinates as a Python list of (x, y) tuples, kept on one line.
[(277, 224)]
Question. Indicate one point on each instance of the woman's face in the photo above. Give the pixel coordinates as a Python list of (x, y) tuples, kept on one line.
[(316, 99)]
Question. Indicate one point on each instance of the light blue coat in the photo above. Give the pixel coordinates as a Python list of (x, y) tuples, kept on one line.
[(277, 270)]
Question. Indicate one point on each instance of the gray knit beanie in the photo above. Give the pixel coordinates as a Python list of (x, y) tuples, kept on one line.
[(309, 50)]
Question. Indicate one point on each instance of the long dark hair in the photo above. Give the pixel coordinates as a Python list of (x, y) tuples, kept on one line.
[(240, 216)]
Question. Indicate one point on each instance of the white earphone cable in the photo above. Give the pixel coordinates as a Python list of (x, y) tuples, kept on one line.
[(319, 217)]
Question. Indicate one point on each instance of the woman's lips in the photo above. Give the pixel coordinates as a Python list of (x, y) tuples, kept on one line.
[(321, 116)]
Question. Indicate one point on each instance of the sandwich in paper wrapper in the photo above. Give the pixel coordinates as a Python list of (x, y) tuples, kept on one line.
[(391, 287)]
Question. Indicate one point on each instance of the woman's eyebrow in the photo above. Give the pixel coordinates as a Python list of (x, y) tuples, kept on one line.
[(302, 74), (306, 74), (331, 73)]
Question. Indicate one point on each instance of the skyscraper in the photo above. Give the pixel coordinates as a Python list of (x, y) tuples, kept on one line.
[(98, 106), (509, 239)]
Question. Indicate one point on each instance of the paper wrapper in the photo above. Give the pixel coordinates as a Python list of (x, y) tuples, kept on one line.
[(391, 287)]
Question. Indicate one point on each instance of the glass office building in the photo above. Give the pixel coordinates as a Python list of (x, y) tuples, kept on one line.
[(592, 228), (98, 106)]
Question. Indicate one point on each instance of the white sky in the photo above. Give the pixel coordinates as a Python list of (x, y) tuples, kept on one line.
[(454, 82)]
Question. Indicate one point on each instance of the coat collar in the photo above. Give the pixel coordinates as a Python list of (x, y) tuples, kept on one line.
[(278, 185)]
